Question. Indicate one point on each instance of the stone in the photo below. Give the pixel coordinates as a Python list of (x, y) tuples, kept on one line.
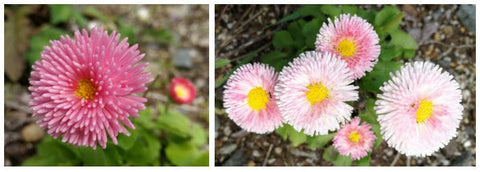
[(227, 149), (237, 159), (182, 58), (227, 131), (255, 153), (466, 15), (278, 150), (32, 133), (464, 160)]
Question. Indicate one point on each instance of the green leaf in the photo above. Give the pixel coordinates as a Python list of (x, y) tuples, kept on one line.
[(146, 119), (174, 122), (282, 39), (52, 152), (112, 155), (92, 157), (60, 13), (160, 36), (365, 161), (310, 31), (304, 11), (369, 115), (199, 135), (181, 153), (78, 17), (351, 9), (295, 30), (310, 10), (296, 138), (331, 10), (315, 142), (128, 31), (93, 12), (408, 54), (343, 161), (276, 59), (282, 131), (377, 132), (403, 40), (372, 81), (330, 154), (388, 18), (40, 40), (126, 142), (152, 144), (221, 62), (389, 53), (139, 154), (202, 159)]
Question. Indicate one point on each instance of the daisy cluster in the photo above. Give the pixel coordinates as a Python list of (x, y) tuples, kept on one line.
[(419, 109)]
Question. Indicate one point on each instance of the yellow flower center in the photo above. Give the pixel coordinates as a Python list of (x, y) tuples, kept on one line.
[(346, 48), (181, 91), (316, 93), (354, 137), (86, 89), (257, 98), (424, 110)]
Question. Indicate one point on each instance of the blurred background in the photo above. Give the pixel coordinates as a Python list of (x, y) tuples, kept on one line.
[(175, 41), (442, 34)]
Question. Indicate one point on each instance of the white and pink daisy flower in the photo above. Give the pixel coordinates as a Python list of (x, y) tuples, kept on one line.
[(354, 140), (419, 110), (352, 39), (312, 92), (86, 87), (249, 100)]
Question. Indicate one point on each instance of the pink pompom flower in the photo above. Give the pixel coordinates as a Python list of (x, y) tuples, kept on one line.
[(182, 90), (354, 139), (352, 39), (419, 110), (312, 91), (249, 100), (84, 88)]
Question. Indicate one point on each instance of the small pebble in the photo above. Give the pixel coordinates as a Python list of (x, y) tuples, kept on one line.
[(32, 132), (227, 149)]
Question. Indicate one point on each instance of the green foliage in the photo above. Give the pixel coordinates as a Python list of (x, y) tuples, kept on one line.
[(319, 141), (40, 40), (64, 13), (222, 62), (372, 81), (183, 142), (287, 131), (331, 154)]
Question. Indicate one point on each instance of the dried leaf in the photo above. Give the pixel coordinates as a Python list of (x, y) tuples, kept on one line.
[(16, 41)]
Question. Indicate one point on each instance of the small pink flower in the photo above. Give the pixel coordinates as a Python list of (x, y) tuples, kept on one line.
[(312, 92), (352, 39), (249, 100), (354, 139), (419, 111), (182, 90), (86, 87)]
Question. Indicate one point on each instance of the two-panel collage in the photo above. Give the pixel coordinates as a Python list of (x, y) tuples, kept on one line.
[(212, 85)]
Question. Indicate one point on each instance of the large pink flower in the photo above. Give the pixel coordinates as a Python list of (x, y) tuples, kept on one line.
[(354, 139), (352, 39), (419, 110), (82, 88), (312, 92), (249, 100)]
